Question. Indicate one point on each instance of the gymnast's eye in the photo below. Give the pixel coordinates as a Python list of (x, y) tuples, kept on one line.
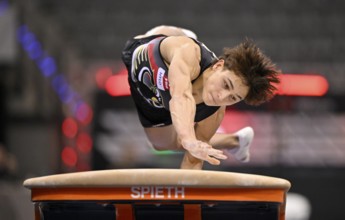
[(233, 98), (226, 86)]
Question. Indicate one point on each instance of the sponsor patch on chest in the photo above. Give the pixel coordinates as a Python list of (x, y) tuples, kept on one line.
[(162, 80)]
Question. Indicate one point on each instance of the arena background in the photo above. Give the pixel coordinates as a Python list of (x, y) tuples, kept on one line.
[(64, 104)]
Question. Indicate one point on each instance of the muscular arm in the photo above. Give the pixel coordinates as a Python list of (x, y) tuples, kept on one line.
[(183, 55)]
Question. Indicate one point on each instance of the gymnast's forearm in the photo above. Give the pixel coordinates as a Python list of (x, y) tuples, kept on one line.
[(182, 104), (182, 110), (190, 162)]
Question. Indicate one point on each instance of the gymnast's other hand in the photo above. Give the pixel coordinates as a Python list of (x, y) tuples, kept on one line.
[(203, 151)]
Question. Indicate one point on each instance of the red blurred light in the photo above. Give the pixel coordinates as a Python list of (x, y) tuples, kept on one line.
[(102, 75), (69, 156), (302, 85), (291, 84), (84, 142), (84, 113), (69, 127), (234, 121), (117, 85)]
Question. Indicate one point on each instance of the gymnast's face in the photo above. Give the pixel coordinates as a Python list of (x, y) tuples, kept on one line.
[(223, 87)]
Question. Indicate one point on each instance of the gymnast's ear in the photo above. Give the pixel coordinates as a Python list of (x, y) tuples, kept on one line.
[(219, 64)]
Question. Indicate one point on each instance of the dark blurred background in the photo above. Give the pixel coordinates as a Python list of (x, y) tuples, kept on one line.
[(64, 108)]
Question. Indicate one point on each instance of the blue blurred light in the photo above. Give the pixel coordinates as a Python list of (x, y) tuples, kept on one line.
[(28, 38), (67, 95), (70, 99), (3, 7), (58, 82), (62, 88), (21, 31), (48, 66), (35, 50)]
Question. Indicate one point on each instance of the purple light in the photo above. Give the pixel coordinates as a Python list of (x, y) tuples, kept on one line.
[(62, 88), (3, 7), (84, 113), (64, 93), (35, 50), (21, 31), (47, 66), (28, 38), (67, 96), (59, 82)]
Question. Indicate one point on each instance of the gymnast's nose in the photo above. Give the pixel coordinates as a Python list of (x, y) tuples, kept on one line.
[(223, 94)]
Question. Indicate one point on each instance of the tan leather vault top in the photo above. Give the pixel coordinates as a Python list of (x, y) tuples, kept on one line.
[(157, 177)]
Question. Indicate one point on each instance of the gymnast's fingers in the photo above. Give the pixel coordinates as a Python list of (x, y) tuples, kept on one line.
[(212, 160), (217, 154)]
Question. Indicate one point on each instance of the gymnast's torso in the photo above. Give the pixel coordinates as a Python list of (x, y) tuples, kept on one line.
[(149, 75)]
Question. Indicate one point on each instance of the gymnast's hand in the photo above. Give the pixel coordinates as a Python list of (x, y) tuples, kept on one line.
[(203, 151)]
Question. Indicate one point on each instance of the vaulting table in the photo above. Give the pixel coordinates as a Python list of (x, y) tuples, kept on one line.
[(135, 194)]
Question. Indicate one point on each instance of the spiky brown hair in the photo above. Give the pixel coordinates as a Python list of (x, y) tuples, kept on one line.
[(257, 71)]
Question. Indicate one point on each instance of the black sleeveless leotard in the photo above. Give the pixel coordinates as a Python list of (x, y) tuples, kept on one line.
[(149, 84)]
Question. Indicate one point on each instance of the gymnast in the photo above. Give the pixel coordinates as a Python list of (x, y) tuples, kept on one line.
[(181, 90)]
